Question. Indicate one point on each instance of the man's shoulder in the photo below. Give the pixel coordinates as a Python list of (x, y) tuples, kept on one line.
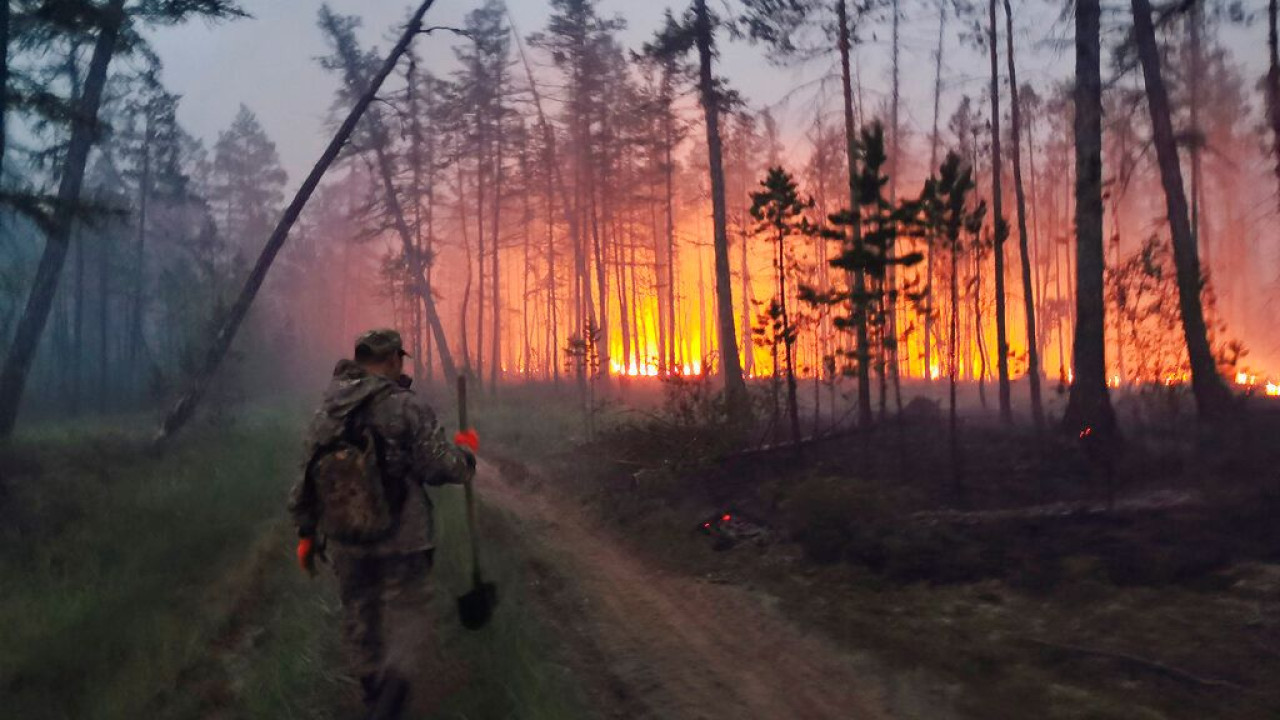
[(400, 404)]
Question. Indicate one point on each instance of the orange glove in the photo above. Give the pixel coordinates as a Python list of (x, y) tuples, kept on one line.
[(469, 439), (306, 555)]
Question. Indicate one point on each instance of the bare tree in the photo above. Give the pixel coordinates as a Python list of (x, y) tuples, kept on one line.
[(1213, 400), (736, 399), (1089, 405), (999, 227), (1028, 290), (84, 131), (186, 405)]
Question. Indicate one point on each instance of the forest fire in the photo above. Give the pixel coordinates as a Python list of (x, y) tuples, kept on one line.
[(1251, 384), (824, 367)]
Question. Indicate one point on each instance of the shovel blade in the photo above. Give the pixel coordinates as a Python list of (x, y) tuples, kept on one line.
[(476, 607)]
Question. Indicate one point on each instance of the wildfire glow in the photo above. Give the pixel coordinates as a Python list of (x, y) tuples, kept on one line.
[(650, 369), (1250, 383)]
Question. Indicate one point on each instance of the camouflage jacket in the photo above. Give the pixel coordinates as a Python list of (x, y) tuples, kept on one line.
[(414, 450)]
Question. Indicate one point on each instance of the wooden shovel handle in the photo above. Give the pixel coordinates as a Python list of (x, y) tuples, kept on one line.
[(468, 487)]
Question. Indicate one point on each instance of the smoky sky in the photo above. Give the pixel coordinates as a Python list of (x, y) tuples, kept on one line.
[(269, 64)]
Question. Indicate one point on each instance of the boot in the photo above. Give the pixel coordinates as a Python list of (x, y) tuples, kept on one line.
[(369, 690), (390, 697)]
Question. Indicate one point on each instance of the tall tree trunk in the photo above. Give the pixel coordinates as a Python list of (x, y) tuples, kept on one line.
[(953, 370), (139, 257), (891, 274), (84, 133), (793, 402), (415, 169), (748, 354), (1089, 405), (736, 400), (464, 309), (1213, 400), (1273, 82), (1195, 20), (1028, 288), (4, 79), (77, 338), (186, 405), (495, 362), (569, 205), (104, 324), (933, 168), (669, 141), (997, 222), (859, 294), (482, 172)]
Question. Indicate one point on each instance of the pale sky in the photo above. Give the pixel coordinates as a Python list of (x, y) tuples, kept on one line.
[(268, 62)]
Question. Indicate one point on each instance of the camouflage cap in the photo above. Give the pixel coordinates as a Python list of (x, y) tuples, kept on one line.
[(381, 343)]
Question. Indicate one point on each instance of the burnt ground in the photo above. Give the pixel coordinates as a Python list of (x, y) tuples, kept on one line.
[(1047, 589)]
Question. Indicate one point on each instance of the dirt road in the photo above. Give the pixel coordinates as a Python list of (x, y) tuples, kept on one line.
[(647, 643)]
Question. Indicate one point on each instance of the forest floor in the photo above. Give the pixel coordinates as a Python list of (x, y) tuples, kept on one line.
[(163, 586)]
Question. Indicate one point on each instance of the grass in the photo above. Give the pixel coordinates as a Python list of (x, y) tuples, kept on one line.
[(113, 560), (145, 586)]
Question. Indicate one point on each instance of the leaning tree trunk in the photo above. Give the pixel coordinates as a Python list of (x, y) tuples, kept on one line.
[(735, 388), (1212, 397), (998, 224), (186, 405), (1028, 289), (858, 299), (84, 132), (1089, 405)]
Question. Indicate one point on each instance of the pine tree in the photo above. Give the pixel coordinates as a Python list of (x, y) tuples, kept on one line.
[(780, 213)]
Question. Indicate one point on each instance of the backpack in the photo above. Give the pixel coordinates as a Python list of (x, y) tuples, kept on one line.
[(358, 503)]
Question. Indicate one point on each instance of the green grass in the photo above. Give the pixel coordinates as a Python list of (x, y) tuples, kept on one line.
[(119, 567), (142, 586)]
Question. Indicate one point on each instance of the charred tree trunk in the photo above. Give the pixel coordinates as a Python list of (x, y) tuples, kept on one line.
[(998, 225), (44, 288), (183, 409), (1089, 405), (1028, 289), (1213, 400), (736, 400), (859, 289)]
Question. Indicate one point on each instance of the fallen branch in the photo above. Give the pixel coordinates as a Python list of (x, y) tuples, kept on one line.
[(1141, 663)]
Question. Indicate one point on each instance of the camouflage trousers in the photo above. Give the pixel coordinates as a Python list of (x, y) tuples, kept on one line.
[(386, 622)]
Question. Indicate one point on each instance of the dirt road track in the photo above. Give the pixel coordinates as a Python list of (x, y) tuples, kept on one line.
[(647, 643)]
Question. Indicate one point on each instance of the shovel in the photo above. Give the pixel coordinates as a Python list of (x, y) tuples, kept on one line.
[(476, 606)]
